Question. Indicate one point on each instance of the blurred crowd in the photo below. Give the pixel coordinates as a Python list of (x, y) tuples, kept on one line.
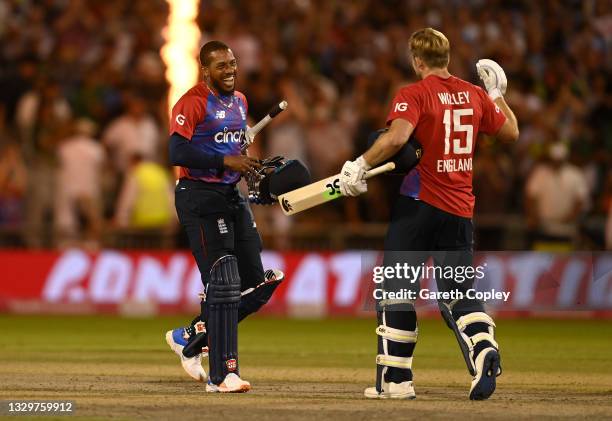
[(83, 117), (83, 114)]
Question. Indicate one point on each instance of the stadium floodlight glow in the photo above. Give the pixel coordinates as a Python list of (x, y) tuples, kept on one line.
[(180, 52)]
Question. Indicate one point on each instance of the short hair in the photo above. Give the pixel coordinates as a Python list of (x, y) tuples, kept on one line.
[(431, 46), (208, 48)]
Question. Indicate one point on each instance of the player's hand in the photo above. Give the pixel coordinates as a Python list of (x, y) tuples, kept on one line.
[(493, 77), (249, 137), (241, 163), (352, 182)]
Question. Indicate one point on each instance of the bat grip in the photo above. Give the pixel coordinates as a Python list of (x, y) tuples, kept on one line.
[(389, 166), (260, 125), (277, 109)]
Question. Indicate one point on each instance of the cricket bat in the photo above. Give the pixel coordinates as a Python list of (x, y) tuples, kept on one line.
[(252, 132), (320, 192)]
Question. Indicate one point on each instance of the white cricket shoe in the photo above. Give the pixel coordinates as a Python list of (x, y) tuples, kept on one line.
[(231, 384), (487, 369), (193, 365), (403, 390)]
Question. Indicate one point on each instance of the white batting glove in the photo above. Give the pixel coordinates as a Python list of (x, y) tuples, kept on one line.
[(351, 177), (493, 77)]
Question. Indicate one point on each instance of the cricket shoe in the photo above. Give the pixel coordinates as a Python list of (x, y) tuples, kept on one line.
[(193, 366), (403, 390), (487, 369), (231, 384)]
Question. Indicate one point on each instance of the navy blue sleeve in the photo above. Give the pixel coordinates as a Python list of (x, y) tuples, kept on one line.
[(184, 154)]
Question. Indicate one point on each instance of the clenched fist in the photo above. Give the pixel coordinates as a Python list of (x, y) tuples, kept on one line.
[(493, 77)]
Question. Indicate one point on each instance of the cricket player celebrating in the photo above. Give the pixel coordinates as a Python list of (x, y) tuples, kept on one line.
[(432, 216), (208, 131)]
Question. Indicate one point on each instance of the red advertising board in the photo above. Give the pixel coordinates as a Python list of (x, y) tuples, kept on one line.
[(317, 284)]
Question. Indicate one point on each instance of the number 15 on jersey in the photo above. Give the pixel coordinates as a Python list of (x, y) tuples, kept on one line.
[(452, 126)]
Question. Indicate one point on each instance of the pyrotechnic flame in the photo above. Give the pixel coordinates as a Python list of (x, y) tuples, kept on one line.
[(180, 52)]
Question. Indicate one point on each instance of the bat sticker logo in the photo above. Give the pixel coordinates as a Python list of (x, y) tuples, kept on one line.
[(334, 188), (286, 205)]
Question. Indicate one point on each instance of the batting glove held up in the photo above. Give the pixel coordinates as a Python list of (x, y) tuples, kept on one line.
[(493, 77), (351, 177)]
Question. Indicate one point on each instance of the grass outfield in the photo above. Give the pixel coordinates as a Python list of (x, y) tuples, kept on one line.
[(122, 368)]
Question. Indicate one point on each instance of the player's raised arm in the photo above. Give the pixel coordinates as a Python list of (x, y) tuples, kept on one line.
[(495, 82)]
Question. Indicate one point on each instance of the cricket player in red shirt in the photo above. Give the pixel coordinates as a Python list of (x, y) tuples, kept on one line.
[(432, 217)]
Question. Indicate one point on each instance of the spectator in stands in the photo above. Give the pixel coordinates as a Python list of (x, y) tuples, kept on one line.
[(607, 206), (45, 101), (324, 132), (134, 132), (49, 128), (556, 55), (146, 198), (609, 229), (13, 183), (79, 187), (556, 196), (492, 178)]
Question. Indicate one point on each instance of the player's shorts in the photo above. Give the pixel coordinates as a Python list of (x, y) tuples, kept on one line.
[(419, 232), (418, 226), (218, 222)]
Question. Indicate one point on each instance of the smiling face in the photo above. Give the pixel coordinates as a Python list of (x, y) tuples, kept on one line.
[(221, 71)]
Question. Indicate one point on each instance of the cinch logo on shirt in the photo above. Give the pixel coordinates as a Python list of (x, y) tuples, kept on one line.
[(229, 136)]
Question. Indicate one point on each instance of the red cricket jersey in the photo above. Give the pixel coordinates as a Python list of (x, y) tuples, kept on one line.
[(447, 115)]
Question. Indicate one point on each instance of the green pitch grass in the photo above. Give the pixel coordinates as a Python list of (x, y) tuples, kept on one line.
[(301, 369)]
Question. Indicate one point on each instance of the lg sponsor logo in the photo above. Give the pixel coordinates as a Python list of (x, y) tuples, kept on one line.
[(227, 136), (401, 106), (180, 119)]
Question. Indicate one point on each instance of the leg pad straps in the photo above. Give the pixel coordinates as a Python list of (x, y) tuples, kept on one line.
[(392, 361), (397, 335), (477, 317)]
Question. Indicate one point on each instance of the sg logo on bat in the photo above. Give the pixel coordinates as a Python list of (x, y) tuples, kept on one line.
[(334, 188)]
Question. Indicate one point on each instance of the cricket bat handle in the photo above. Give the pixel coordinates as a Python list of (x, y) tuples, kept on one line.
[(276, 110), (389, 166)]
